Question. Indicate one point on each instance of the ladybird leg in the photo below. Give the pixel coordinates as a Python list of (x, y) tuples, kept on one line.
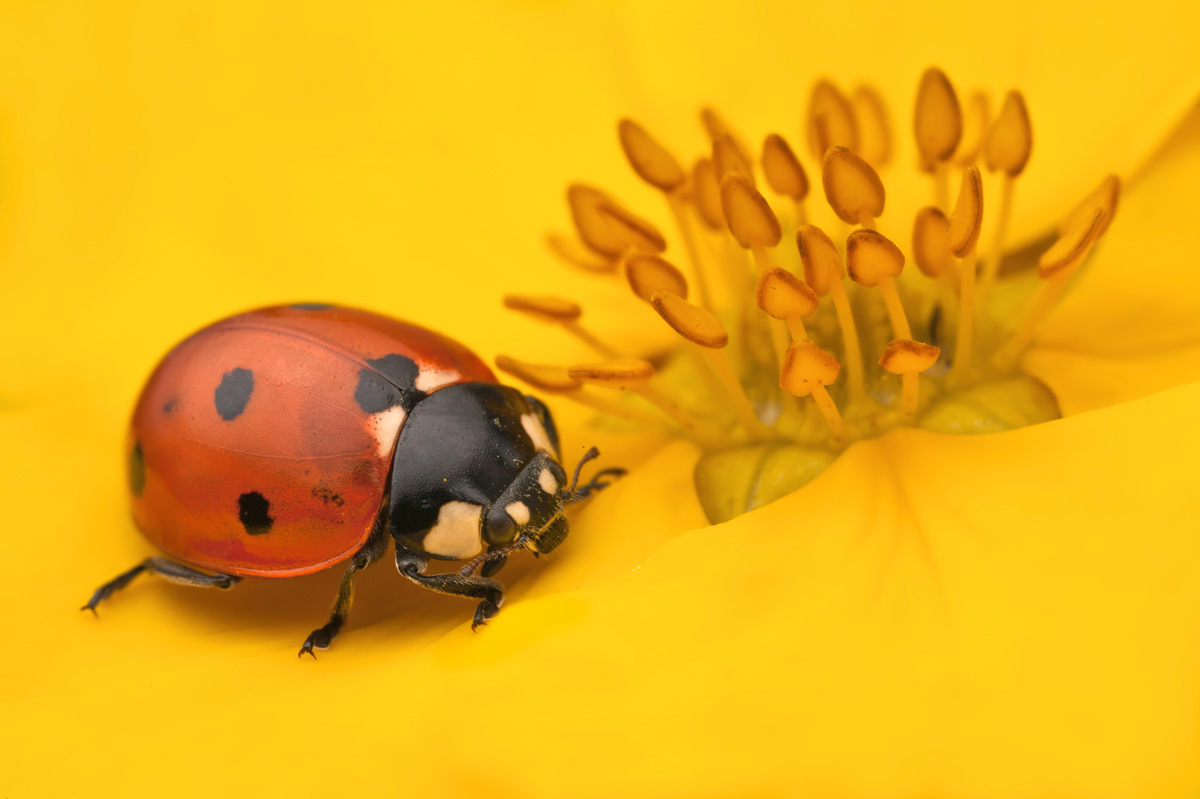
[(175, 572), (376, 545), (412, 564), (600, 481)]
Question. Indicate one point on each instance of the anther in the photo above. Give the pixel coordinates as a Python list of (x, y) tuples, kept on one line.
[(976, 116), (937, 124), (964, 233), (807, 369), (572, 252), (908, 359), (750, 218), (707, 333), (557, 311), (633, 231), (649, 273), (873, 260), (931, 242), (1007, 148), (607, 228), (1104, 199), (648, 158), (874, 130), (784, 296), (716, 127), (551, 379), (852, 186), (831, 121), (784, 173), (706, 187), (823, 273), (728, 159), (630, 374)]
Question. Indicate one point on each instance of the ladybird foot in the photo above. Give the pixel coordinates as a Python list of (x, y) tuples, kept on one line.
[(317, 639), (486, 611)]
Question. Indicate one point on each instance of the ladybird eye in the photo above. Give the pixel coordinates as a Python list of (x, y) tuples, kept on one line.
[(502, 523)]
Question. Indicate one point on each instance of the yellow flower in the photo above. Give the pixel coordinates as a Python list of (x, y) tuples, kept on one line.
[(1009, 615)]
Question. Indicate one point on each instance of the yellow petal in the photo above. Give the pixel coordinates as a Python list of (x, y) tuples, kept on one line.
[(1129, 325)]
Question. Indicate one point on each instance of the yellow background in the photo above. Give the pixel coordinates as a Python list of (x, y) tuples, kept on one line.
[(164, 165)]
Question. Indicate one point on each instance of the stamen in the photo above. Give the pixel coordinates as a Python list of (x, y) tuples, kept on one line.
[(649, 273), (728, 160), (648, 158), (1078, 234), (908, 359), (630, 374), (937, 123), (750, 218), (873, 260), (784, 296), (823, 272), (607, 228), (807, 369), (1009, 143), (557, 311), (852, 186), (931, 242), (716, 127), (874, 131), (831, 121), (575, 254), (705, 331), (707, 192), (555, 380), (785, 174), (975, 118), (964, 234)]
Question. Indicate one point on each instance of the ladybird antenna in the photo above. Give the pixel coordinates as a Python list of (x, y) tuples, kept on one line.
[(591, 454), (469, 569)]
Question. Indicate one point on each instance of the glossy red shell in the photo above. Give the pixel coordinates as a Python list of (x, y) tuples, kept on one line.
[(302, 442)]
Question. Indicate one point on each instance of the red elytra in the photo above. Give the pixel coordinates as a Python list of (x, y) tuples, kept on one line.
[(297, 436)]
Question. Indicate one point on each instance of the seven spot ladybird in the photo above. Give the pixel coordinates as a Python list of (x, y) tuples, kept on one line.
[(286, 440)]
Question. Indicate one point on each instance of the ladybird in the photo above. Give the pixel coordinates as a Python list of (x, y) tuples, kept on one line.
[(287, 440)]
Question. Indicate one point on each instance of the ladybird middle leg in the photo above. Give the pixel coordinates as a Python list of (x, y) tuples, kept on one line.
[(412, 565), (371, 551), (175, 572)]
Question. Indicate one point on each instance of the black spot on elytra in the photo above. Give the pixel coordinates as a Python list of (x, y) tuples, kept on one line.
[(389, 382), (233, 393), (311, 306), (253, 511), (327, 495), (169, 405), (137, 470)]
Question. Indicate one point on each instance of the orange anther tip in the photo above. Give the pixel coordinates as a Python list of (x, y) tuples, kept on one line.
[(806, 365), (931, 242), (750, 218), (547, 309), (976, 118), (968, 213), (871, 256), (1072, 245), (852, 186), (874, 130), (937, 120), (1104, 198), (570, 250), (649, 273), (621, 373), (707, 187), (905, 355), (594, 230), (1010, 139), (716, 127), (782, 295), (648, 158), (727, 159), (690, 321), (831, 121), (631, 230), (783, 171), (822, 262), (551, 379)]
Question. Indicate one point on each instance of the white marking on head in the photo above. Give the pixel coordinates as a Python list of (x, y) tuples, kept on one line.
[(457, 532), (429, 379), (384, 427), (519, 512), (548, 481), (537, 433)]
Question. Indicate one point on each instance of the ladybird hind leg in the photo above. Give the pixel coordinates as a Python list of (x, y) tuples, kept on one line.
[(371, 551), (412, 565), (169, 569)]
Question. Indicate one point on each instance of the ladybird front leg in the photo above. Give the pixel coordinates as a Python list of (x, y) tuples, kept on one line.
[(175, 572), (412, 565)]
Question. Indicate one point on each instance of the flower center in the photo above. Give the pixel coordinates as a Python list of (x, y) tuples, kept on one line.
[(757, 379)]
